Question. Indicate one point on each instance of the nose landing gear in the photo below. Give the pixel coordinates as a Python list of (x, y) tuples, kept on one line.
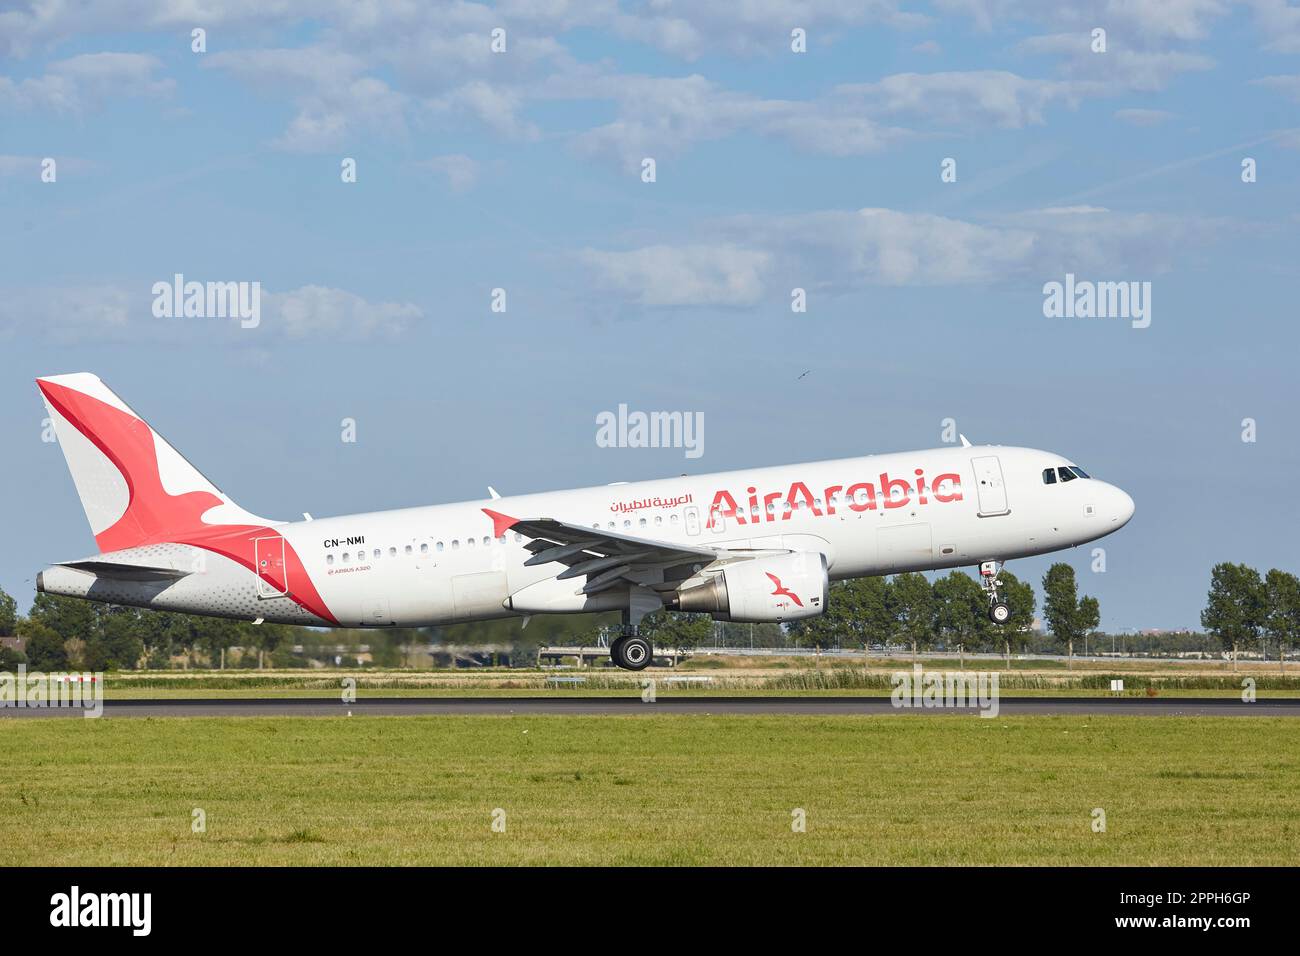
[(999, 611)]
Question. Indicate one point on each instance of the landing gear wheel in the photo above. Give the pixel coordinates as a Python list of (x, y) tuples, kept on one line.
[(631, 653), (999, 613)]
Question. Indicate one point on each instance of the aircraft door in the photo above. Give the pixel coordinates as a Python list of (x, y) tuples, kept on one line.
[(272, 575), (990, 487)]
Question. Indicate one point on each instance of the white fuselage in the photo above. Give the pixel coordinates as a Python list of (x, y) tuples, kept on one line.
[(440, 564), (875, 515)]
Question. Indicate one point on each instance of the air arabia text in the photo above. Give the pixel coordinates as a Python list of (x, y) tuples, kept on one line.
[(889, 493)]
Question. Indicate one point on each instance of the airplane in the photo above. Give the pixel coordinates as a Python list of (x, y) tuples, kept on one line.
[(755, 545)]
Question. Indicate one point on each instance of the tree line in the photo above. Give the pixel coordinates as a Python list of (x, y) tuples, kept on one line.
[(62, 633), (1244, 611), (950, 612), (1245, 608)]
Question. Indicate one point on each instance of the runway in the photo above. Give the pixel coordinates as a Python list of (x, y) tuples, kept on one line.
[(625, 706)]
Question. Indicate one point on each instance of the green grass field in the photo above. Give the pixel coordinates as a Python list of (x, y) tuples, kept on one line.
[(650, 790), (633, 689), (1142, 678)]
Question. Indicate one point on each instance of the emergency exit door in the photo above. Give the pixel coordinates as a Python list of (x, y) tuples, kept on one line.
[(990, 488), (272, 577)]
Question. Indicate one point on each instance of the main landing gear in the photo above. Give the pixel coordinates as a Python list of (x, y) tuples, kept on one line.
[(631, 651), (999, 612)]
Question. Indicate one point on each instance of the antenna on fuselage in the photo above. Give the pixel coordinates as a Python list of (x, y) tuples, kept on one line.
[(964, 442)]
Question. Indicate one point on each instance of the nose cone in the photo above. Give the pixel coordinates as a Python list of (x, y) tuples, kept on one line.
[(1121, 507)]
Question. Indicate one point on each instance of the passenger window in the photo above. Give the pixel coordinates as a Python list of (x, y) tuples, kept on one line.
[(455, 544), (469, 542), (329, 559), (408, 549), (1066, 474), (642, 522), (659, 519), (392, 552), (345, 557), (377, 554), (424, 549), (518, 537), (1049, 476), (672, 519), (486, 541), (438, 546), (361, 556)]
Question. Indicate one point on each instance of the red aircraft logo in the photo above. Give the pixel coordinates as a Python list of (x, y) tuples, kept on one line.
[(782, 590)]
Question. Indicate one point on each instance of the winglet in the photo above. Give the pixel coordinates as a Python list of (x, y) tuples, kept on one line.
[(493, 492), (500, 523)]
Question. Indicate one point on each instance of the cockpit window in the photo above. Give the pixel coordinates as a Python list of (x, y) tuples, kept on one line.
[(1079, 471), (1049, 476), (1066, 474)]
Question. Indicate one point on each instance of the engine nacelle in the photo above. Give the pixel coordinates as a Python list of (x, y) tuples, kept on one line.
[(762, 591)]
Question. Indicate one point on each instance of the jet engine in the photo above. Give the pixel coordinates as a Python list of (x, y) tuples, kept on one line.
[(761, 590)]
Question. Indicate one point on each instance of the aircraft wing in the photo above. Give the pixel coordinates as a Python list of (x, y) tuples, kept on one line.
[(605, 557)]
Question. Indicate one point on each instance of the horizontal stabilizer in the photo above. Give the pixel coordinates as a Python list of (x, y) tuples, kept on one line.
[(124, 572)]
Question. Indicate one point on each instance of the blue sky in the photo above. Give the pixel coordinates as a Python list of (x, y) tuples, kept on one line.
[(774, 170)]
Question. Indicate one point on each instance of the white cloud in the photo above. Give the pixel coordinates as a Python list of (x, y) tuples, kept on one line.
[(496, 107), (336, 103), (1279, 22), (448, 32), (700, 27), (1286, 85), (460, 170), (695, 274), (384, 68), (961, 99), (51, 22), (740, 261), (85, 82), (660, 116), (314, 310), (1148, 20), (841, 249), (1122, 68), (118, 313), (72, 314)]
